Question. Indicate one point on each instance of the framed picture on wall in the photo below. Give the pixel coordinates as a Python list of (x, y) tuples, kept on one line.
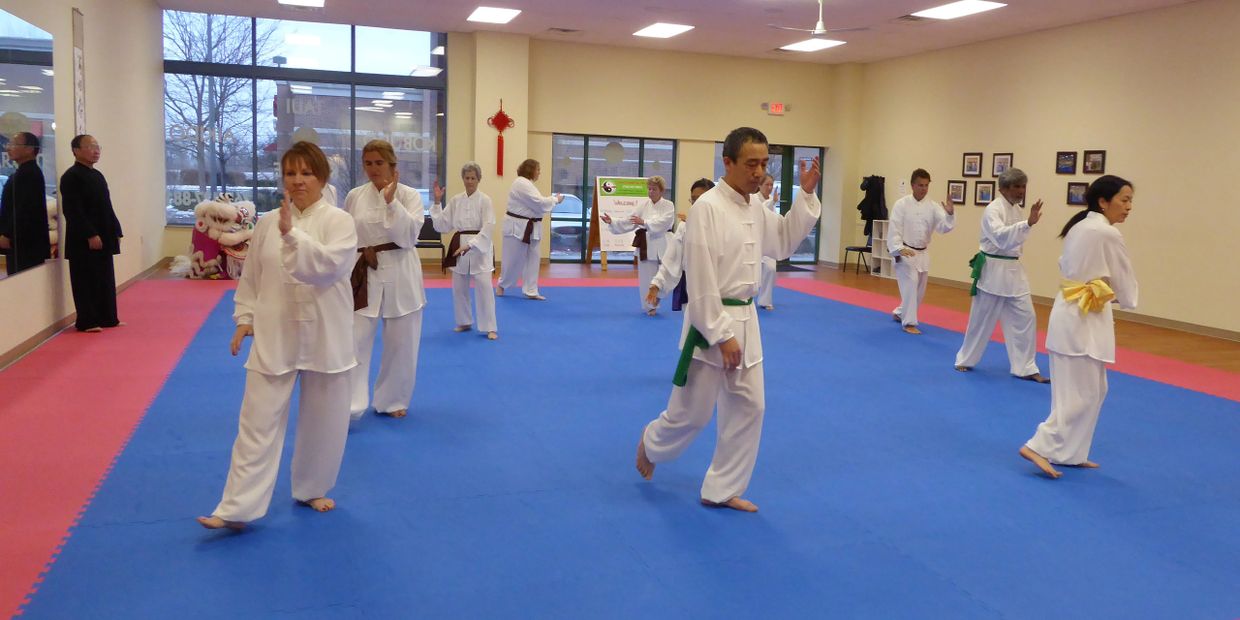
[(956, 191), (1076, 193), (972, 166), (983, 193), (1095, 162), (1065, 162), (1000, 162)]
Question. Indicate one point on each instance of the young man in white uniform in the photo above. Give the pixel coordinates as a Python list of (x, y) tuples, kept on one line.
[(651, 221), (1081, 335), (523, 231), (767, 198), (387, 283), (470, 255), (1000, 288), (914, 219), (721, 359)]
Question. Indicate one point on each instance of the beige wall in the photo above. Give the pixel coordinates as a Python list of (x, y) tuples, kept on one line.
[(124, 100), (1156, 90)]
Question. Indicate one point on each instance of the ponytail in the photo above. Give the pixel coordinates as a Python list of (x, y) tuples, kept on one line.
[(1104, 188)]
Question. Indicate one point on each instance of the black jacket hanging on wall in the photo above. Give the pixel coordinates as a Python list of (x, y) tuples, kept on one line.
[(874, 205)]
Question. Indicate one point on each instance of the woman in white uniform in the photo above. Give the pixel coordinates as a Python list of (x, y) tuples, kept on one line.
[(470, 255), (523, 231), (768, 199), (294, 299), (387, 283), (651, 221), (1081, 334)]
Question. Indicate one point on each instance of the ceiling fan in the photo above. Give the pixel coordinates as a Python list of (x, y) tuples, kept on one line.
[(819, 29)]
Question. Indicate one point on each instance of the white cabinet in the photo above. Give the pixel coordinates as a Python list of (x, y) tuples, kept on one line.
[(880, 259)]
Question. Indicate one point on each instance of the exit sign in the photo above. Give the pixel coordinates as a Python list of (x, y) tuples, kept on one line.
[(775, 108)]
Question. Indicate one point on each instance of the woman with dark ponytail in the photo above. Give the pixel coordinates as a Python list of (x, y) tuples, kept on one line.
[(1081, 335)]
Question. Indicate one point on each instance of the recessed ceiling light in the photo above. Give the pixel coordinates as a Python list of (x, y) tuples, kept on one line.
[(393, 94), (959, 9), (490, 15), (405, 114), (439, 114), (662, 30), (812, 45), (438, 51), (425, 71), (318, 4), (49, 72)]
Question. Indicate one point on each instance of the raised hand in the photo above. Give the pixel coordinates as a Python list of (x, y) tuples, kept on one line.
[(389, 191), (437, 192), (948, 206), (286, 214), (810, 178), (1035, 213)]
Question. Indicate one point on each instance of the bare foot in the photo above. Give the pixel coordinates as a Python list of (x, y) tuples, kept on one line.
[(768, 308), (214, 523), (1086, 465), (651, 312), (1036, 377), (499, 291), (736, 503), (536, 297), (645, 466), (912, 329), (461, 328), (895, 317), (93, 330), (964, 368), (321, 504), (399, 413), (1040, 461), (492, 336)]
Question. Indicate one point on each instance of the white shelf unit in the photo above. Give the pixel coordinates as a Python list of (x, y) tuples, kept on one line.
[(881, 264)]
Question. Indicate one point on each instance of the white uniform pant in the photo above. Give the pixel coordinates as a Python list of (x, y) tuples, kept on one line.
[(766, 283), (1078, 387), (484, 297), (645, 273), (1020, 331), (398, 364), (323, 426), (520, 260), (912, 285), (742, 403)]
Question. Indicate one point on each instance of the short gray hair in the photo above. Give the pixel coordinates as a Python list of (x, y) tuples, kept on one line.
[(1012, 176), (472, 166)]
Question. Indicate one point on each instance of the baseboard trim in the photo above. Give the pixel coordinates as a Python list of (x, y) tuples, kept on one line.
[(1123, 315)]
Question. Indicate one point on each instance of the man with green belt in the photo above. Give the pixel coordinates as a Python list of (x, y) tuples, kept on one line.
[(725, 240), (1000, 289)]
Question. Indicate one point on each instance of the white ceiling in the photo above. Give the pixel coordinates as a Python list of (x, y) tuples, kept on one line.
[(729, 27)]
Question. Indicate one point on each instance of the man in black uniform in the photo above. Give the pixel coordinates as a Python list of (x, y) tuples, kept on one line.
[(23, 208), (92, 238)]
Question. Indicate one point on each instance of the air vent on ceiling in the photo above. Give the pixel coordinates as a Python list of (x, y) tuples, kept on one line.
[(563, 30), (911, 19)]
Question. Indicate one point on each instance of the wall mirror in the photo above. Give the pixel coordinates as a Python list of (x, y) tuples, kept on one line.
[(28, 212)]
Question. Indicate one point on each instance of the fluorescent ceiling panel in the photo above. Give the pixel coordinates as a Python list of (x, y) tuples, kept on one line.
[(812, 45), (959, 9), (662, 30), (318, 4), (491, 15)]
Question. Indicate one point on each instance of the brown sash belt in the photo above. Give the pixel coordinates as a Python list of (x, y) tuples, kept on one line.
[(367, 260), (639, 242), (449, 259), (530, 222)]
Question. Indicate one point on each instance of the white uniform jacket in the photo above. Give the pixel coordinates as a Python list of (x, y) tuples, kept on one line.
[(1004, 229), (295, 292), (672, 262), (725, 240), (469, 213), (525, 200), (912, 223), (396, 286), (658, 218), (1093, 249)]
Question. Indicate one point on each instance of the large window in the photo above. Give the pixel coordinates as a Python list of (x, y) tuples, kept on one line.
[(575, 162), (239, 91)]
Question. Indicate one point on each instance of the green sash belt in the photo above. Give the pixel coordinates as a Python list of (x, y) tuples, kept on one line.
[(695, 340), (976, 263)]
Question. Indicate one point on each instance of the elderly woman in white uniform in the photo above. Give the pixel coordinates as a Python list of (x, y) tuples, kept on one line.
[(387, 283), (523, 230), (651, 222), (1081, 334), (470, 255), (294, 299)]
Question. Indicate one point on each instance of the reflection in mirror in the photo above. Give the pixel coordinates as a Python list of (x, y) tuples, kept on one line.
[(28, 216)]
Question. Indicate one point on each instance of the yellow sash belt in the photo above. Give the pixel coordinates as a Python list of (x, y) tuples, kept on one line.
[(1091, 296)]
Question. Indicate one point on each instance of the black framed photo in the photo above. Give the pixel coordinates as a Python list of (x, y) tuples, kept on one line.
[(972, 166), (1076, 193), (1095, 162), (956, 191), (1065, 162), (1000, 162), (983, 193)]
